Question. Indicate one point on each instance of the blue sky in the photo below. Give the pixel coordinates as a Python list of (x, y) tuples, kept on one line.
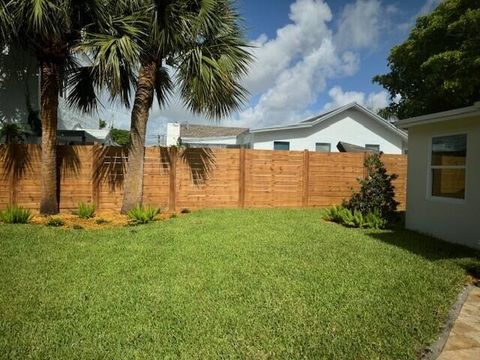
[(311, 55)]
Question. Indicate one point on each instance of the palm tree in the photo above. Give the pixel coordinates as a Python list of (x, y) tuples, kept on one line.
[(196, 46), (52, 31)]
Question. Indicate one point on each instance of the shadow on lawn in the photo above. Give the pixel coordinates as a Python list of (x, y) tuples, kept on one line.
[(431, 248)]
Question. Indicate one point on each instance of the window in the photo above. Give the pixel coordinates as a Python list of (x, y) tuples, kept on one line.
[(447, 167), (322, 147), (374, 147), (281, 145)]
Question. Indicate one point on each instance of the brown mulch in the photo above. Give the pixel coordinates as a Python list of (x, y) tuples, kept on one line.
[(102, 220)]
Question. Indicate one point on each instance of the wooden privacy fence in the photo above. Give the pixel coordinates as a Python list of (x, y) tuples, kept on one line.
[(191, 178)]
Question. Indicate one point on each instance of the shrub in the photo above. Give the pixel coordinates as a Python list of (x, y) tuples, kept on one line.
[(77, 227), (86, 211), (347, 217), (55, 221), (15, 215), (142, 214), (377, 194)]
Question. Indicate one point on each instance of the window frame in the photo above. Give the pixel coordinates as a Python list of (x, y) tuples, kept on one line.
[(324, 143), (431, 167), (281, 142)]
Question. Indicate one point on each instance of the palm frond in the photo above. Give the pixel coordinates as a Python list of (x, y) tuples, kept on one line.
[(163, 86), (81, 88)]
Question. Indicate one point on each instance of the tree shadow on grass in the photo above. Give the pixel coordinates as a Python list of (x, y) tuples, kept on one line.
[(431, 248)]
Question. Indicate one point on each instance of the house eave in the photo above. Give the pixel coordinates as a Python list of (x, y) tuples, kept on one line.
[(455, 114)]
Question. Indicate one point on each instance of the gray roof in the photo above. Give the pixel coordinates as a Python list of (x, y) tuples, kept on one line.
[(206, 131), (346, 147)]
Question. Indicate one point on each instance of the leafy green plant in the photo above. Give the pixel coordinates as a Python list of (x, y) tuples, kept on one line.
[(86, 211), (15, 215), (377, 193), (55, 221), (347, 217), (142, 214)]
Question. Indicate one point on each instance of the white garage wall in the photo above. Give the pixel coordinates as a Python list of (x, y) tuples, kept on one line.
[(351, 126)]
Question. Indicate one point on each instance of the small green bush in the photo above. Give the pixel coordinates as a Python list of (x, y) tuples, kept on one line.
[(377, 193), (15, 215), (142, 214), (347, 217), (55, 221), (86, 211)]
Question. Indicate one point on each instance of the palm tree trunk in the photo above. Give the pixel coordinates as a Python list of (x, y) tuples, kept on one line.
[(48, 116), (133, 186)]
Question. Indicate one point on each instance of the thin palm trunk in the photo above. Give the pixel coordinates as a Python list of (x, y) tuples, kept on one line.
[(48, 115), (133, 187)]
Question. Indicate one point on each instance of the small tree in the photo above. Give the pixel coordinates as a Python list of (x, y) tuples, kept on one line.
[(377, 194)]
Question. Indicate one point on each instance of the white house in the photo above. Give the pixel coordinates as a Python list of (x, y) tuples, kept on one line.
[(352, 124), (443, 190)]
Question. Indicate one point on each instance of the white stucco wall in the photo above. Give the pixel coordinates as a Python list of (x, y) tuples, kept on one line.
[(351, 126), (455, 221)]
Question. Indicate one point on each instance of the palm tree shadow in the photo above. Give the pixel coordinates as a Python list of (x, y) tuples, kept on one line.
[(431, 249), (16, 160), (200, 161), (109, 166)]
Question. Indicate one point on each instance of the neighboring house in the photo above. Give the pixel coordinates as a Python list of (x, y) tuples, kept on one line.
[(443, 190), (351, 124), (20, 103), (205, 135)]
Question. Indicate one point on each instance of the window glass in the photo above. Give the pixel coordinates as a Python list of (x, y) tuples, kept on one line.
[(448, 183), (449, 155), (449, 150), (322, 147), (281, 145)]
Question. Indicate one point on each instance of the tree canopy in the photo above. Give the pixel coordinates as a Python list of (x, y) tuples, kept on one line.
[(438, 67)]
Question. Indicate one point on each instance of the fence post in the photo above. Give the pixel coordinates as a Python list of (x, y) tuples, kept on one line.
[(306, 175), (12, 175), (95, 177), (173, 179), (241, 181)]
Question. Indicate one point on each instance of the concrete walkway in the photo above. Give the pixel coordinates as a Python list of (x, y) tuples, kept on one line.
[(464, 340)]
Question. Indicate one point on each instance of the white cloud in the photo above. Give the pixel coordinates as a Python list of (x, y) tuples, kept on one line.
[(373, 101), (360, 24), (293, 68), (293, 41)]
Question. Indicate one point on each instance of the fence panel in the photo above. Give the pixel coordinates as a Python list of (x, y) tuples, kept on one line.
[(192, 178)]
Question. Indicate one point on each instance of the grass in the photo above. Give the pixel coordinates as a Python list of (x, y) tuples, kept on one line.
[(225, 284)]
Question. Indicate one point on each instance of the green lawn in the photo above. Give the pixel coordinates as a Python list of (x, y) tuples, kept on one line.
[(225, 284)]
